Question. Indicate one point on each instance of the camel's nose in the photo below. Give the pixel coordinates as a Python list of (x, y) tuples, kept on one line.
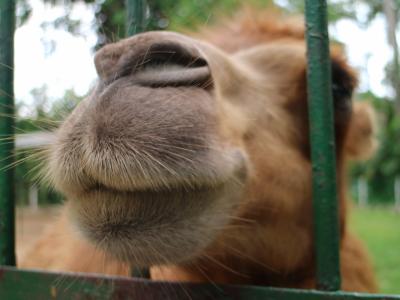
[(154, 59)]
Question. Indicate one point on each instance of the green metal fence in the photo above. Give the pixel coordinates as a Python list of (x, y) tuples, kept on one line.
[(25, 284), (7, 210), (325, 202)]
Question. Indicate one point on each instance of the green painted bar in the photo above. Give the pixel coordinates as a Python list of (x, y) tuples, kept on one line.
[(33, 285), (7, 210), (326, 225), (136, 22), (135, 17)]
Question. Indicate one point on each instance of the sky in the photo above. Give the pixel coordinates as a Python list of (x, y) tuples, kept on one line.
[(70, 64)]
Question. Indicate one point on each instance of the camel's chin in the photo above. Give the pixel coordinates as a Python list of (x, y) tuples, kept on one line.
[(149, 227)]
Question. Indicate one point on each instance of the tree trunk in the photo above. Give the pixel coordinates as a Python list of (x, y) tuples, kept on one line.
[(390, 11)]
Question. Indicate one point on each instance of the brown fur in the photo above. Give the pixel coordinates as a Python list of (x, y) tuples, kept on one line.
[(200, 168)]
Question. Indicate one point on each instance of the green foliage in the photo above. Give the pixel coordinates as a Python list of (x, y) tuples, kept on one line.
[(111, 21), (381, 170), (188, 14), (165, 14)]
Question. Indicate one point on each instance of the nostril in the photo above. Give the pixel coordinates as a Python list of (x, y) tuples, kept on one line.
[(170, 64), (168, 54), (154, 59)]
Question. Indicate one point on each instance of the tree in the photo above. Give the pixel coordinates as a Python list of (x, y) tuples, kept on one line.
[(162, 14), (390, 10)]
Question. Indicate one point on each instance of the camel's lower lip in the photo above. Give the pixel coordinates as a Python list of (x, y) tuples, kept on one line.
[(177, 219), (128, 224)]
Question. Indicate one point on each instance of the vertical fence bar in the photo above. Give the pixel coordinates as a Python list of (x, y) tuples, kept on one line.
[(325, 204), (135, 16), (7, 210), (136, 22)]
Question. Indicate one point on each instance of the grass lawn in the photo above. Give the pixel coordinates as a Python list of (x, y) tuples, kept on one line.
[(379, 228)]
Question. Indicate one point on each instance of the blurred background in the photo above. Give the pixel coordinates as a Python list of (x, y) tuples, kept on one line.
[(54, 45)]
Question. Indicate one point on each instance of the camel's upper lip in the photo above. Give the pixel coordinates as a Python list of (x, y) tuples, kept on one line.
[(207, 174)]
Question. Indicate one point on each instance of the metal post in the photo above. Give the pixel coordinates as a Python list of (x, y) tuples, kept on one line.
[(326, 224), (136, 16), (7, 210), (136, 22)]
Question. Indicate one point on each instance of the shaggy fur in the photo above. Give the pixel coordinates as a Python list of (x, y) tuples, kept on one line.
[(192, 156)]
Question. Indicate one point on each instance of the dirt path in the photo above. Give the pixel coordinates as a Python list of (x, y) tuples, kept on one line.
[(30, 224)]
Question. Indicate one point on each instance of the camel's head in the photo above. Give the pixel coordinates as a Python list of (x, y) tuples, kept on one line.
[(179, 140)]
